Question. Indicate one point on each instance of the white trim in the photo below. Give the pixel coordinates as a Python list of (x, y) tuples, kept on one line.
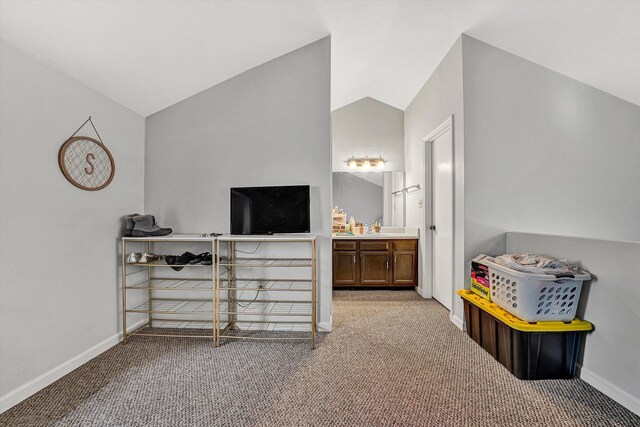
[(440, 130), (456, 321), (28, 389), (422, 293), (630, 402), (325, 326), (427, 270)]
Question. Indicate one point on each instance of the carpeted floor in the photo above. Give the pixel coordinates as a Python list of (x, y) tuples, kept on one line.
[(393, 359)]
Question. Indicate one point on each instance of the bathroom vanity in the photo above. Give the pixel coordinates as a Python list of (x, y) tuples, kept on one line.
[(376, 260)]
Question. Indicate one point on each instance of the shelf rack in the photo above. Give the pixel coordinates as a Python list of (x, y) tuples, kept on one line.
[(165, 310), (265, 314)]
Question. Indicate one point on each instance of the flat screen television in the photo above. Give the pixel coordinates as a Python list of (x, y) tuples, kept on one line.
[(269, 210)]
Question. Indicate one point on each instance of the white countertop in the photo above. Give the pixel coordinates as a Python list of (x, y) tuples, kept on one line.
[(385, 233), (374, 236), (281, 237), (172, 238)]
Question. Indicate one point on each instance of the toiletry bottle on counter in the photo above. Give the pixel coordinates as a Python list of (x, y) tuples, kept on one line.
[(361, 229), (352, 225)]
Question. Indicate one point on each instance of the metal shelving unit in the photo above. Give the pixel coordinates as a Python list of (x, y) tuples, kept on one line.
[(210, 301), (251, 319), (176, 305)]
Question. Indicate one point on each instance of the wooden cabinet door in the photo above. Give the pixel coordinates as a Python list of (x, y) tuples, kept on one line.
[(405, 268), (374, 268), (345, 268)]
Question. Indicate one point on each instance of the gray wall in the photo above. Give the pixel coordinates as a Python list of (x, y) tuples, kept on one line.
[(534, 151), (359, 198), (545, 153), (367, 127), (58, 268), (610, 301), (268, 126), (439, 98)]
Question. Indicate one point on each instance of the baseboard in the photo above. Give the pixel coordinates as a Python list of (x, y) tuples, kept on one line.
[(19, 394), (457, 321), (421, 292), (325, 326), (630, 402)]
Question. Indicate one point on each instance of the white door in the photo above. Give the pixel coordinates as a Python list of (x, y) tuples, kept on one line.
[(442, 217)]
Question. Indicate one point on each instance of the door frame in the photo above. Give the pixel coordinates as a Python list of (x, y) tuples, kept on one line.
[(440, 130)]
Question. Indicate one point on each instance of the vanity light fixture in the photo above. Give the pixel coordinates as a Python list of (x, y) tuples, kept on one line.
[(352, 163), (365, 164)]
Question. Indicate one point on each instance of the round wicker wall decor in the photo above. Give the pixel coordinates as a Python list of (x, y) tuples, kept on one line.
[(86, 163)]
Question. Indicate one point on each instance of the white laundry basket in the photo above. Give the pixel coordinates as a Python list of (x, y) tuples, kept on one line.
[(535, 297)]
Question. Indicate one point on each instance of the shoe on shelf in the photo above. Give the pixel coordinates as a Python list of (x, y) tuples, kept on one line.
[(175, 261), (129, 224), (146, 226), (185, 258), (198, 259), (207, 259), (133, 258), (147, 258), (171, 260)]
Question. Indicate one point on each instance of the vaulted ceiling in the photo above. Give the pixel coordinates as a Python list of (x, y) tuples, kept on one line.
[(149, 54)]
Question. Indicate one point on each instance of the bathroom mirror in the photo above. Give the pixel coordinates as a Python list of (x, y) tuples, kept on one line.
[(367, 196)]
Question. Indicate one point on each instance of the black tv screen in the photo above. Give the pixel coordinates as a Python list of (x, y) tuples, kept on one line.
[(269, 210)]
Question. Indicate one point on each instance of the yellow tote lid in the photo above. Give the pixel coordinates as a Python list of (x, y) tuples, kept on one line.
[(519, 324)]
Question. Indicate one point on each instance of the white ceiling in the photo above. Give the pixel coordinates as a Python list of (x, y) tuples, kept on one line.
[(149, 54)]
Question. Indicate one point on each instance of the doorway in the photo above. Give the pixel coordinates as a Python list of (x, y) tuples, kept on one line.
[(439, 213)]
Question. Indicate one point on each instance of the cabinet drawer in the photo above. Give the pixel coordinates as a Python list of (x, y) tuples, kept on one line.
[(344, 245), (374, 245), (405, 245)]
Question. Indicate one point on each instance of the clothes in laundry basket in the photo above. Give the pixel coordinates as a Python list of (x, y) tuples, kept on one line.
[(540, 264)]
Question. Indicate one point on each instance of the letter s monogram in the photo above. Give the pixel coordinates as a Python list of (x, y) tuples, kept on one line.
[(89, 157)]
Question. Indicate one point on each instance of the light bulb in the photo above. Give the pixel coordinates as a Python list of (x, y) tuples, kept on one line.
[(367, 164), (352, 163), (380, 164)]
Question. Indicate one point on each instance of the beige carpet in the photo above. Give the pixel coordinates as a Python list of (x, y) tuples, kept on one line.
[(393, 359)]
